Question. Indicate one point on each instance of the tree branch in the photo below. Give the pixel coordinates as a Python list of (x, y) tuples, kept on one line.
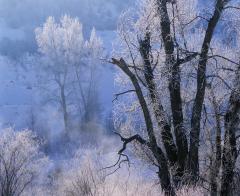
[(122, 93)]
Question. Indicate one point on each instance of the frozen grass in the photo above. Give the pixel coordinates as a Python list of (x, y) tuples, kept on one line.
[(84, 177)]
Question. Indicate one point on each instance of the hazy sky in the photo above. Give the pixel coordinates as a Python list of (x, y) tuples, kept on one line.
[(100, 13), (19, 18)]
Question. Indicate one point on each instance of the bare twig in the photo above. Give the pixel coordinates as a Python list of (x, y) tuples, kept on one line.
[(122, 93)]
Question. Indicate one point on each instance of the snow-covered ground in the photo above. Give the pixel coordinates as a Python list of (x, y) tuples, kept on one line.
[(10, 33), (15, 98)]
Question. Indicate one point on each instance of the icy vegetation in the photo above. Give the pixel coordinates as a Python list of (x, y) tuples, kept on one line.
[(25, 170), (21, 162), (119, 98)]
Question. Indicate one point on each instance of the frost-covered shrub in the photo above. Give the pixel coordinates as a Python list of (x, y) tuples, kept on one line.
[(84, 175), (21, 162)]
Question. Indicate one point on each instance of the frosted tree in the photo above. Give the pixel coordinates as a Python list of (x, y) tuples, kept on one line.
[(67, 64), (180, 81), (88, 91), (21, 161)]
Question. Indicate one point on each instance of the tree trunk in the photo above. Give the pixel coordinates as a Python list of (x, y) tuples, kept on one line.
[(159, 112), (174, 86), (163, 173), (229, 156), (216, 164), (64, 108), (193, 158), (228, 162)]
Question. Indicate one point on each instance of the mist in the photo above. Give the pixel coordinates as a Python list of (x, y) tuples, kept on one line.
[(28, 96), (18, 19), (115, 98)]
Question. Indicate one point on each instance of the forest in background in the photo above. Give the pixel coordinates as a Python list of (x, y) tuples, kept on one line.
[(110, 98)]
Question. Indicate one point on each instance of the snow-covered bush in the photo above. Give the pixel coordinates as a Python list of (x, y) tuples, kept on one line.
[(86, 175), (21, 162)]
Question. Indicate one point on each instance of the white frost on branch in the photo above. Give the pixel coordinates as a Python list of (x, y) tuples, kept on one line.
[(21, 161)]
